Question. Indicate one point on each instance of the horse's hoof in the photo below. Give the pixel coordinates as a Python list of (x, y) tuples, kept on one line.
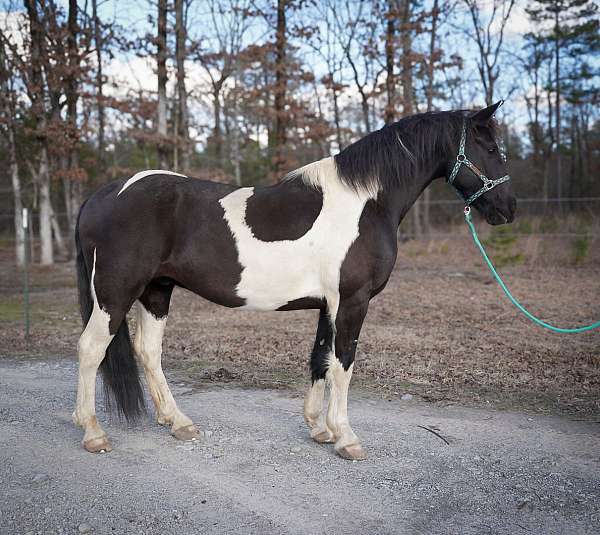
[(187, 432), (352, 453), (324, 437), (98, 445)]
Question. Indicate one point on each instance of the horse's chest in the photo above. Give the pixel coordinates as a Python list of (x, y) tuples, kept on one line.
[(277, 272)]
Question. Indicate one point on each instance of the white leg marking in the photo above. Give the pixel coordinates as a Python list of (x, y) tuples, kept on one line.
[(148, 347), (312, 262), (313, 412), (91, 349), (143, 174), (337, 413)]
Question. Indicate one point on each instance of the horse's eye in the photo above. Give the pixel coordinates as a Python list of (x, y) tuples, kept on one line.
[(492, 150)]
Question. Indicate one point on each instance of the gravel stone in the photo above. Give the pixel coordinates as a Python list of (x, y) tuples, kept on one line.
[(248, 481)]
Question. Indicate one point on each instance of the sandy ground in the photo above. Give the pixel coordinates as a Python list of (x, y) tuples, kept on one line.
[(257, 471)]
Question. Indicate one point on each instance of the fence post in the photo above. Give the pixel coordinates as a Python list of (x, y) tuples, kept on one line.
[(26, 274)]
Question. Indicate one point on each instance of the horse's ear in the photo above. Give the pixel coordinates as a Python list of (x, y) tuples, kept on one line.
[(485, 114)]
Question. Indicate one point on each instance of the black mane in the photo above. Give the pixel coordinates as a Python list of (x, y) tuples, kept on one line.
[(390, 157)]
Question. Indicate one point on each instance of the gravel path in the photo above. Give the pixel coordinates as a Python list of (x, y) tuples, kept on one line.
[(257, 471)]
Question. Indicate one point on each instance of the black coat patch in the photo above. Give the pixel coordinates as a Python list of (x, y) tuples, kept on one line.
[(166, 228), (322, 347), (285, 211)]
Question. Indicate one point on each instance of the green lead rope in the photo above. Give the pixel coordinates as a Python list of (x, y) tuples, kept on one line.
[(469, 221)]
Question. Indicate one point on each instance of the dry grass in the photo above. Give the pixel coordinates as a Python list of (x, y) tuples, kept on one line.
[(441, 330)]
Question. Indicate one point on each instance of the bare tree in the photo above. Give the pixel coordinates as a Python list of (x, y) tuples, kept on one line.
[(430, 70), (73, 179), (390, 59), (489, 40), (531, 67), (406, 38), (325, 44), (99, 44), (161, 63), (183, 140), (281, 81), (218, 49), (357, 37), (36, 95), (8, 113)]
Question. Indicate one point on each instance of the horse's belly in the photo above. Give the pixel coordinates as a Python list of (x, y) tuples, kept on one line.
[(272, 278)]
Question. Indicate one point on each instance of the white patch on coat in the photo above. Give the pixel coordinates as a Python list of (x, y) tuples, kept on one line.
[(144, 174), (275, 273)]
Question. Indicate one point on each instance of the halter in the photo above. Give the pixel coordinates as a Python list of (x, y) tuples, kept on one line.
[(462, 159)]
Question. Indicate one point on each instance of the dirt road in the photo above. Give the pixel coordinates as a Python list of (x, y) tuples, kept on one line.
[(257, 471)]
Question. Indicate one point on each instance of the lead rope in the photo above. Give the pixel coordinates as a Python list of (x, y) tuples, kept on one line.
[(533, 318)]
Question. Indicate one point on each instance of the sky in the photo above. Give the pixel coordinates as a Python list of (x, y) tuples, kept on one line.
[(130, 71), (134, 14)]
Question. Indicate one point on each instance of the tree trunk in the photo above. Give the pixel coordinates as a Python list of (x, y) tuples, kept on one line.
[(45, 206), (430, 64), (235, 152), (336, 116), (557, 106), (549, 146), (182, 106), (99, 82), (280, 88), (17, 198), (161, 61), (36, 33), (217, 130), (18, 207), (7, 98), (390, 48), (430, 79), (72, 97), (407, 88), (407, 67), (236, 156), (537, 136), (56, 232)]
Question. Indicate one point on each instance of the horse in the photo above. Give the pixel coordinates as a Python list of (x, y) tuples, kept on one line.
[(324, 238)]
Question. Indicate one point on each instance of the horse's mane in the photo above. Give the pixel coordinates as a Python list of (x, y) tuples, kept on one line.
[(390, 157)]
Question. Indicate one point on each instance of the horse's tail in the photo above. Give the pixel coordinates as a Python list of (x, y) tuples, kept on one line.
[(119, 367), (86, 304)]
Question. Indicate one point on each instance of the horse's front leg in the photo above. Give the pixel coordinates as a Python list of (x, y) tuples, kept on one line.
[(348, 322)]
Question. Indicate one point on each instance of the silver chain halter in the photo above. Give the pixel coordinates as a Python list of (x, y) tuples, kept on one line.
[(461, 159)]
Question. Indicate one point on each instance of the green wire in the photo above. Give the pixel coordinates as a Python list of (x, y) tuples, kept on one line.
[(469, 221)]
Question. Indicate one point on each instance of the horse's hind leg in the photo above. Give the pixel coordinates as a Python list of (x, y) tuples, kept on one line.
[(313, 402), (91, 349), (152, 312)]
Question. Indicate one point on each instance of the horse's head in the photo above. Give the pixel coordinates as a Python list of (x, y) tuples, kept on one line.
[(478, 168)]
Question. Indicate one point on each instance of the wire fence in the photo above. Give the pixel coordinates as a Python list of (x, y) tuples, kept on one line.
[(570, 217)]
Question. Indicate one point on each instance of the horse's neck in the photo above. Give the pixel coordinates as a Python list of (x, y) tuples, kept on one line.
[(398, 201)]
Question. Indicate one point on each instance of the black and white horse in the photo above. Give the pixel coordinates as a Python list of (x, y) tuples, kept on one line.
[(323, 238)]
